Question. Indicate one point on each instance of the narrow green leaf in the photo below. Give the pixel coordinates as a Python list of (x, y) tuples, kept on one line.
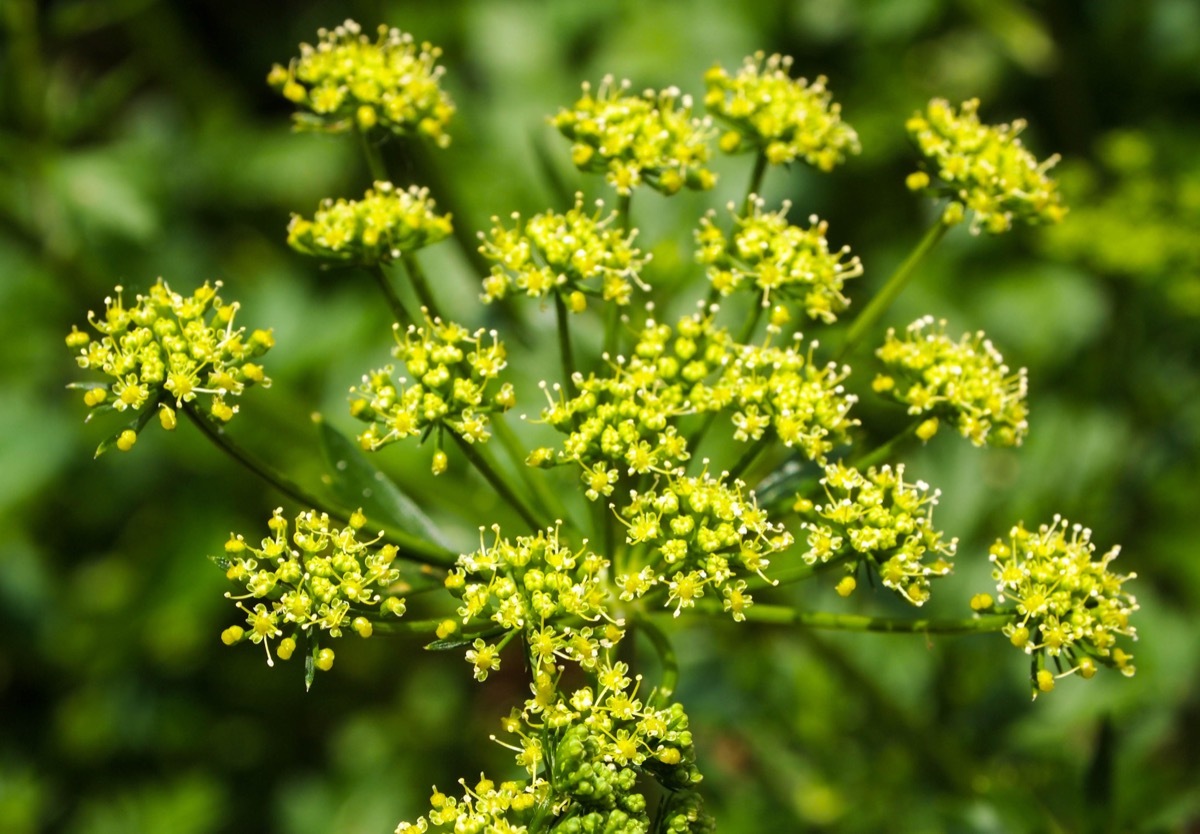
[(358, 483)]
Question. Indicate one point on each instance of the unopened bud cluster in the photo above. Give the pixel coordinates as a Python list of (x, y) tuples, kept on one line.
[(966, 381), (983, 169), (778, 116), (318, 580), (385, 224), (451, 371), (1072, 608), (776, 260), (168, 350), (349, 81), (650, 139), (878, 521), (576, 255)]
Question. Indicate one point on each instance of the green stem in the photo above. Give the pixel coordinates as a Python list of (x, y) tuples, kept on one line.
[(749, 456), (421, 285), (883, 452), (564, 337), (756, 179), (406, 626), (666, 657), (410, 546), (265, 471), (389, 292), (547, 498), (879, 305), (374, 158), (480, 460), (693, 442), (783, 615), (752, 322), (799, 573)]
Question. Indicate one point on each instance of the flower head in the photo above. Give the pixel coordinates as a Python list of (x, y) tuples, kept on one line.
[(576, 252), (781, 117), (648, 139), (349, 80), (966, 380), (319, 580), (166, 351), (386, 223), (778, 261), (1070, 606), (878, 520), (982, 168), (452, 371)]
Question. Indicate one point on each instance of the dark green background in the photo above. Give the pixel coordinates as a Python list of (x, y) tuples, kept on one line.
[(139, 139)]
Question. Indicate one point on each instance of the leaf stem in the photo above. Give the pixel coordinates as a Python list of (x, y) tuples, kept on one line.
[(784, 615), (393, 299), (374, 158), (666, 656), (421, 284), (481, 461), (892, 289), (756, 179), (564, 337)]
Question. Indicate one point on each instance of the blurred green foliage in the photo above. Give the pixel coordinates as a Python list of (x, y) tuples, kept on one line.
[(138, 138)]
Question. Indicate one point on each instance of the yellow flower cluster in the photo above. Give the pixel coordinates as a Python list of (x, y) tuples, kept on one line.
[(777, 260), (321, 578), (1071, 607), (878, 521), (576, 255), (782, 118), (166, 350), (588, 753), (648, 139), (538, 586), (451, 370), (350, 81), (966, 380), (983, 169), (624, 421), (386, 223), (783, 389), (696, 533)]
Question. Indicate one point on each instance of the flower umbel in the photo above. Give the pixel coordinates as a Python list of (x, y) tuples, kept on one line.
[(1070, 606), (781, 117), (982, 168), (578, 252), (966, 380), (451, 370), (779, 261), (648, 139), (385, 224), (165, 351), (321, 579), (877, 520), (348, 80)]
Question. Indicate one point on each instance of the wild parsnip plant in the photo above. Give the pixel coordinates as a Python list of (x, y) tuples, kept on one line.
[(620, 523)]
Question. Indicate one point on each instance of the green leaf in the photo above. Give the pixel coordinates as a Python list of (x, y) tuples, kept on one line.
[(310, 667), (223, 562), (358, 483), (449, 644)]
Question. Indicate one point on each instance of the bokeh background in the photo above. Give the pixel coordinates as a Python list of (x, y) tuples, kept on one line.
[(138, 139)]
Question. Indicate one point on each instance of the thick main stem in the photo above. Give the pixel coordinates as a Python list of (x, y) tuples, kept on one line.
[(879, 305)]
